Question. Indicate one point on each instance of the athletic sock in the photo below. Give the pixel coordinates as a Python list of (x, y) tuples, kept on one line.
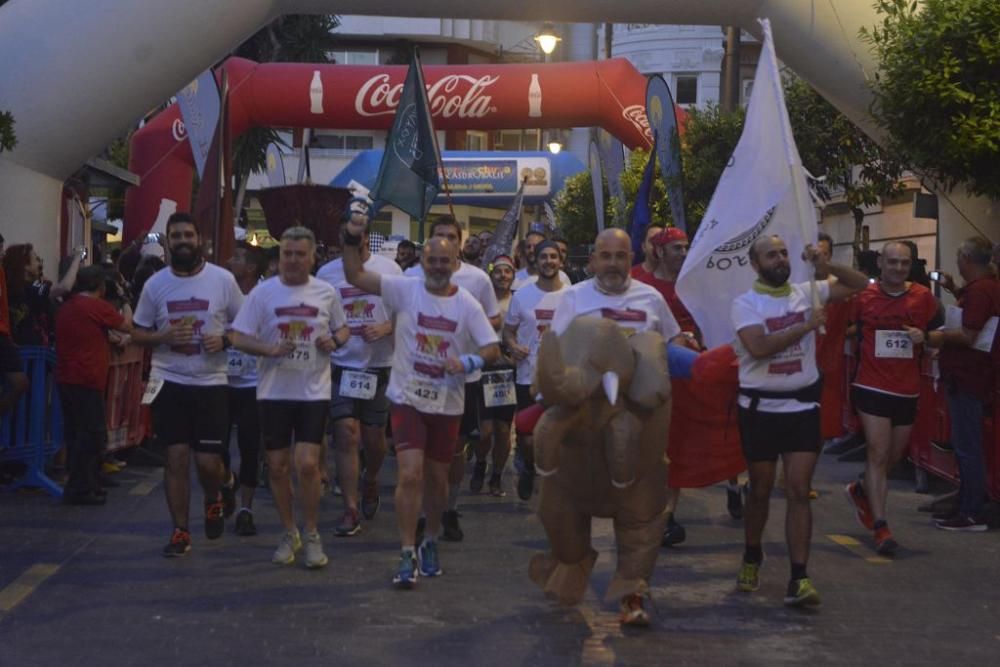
[(409, 550), (753, 555), (799, 571)]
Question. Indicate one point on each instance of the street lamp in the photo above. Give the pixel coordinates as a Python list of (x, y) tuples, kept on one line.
[(555, 146), (547, 38)]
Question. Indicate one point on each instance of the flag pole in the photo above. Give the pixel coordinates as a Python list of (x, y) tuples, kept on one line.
[(437, 148)]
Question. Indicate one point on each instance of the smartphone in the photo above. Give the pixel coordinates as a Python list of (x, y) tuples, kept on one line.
[(935, 276)]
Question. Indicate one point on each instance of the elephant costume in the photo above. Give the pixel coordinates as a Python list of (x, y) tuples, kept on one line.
[(600, 451)]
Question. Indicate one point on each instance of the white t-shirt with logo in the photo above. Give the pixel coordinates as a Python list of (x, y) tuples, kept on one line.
[(479, 285), (522, 278), (275, 312), (639, 308), (794, 367), (361, 309), (531, 312), (208, 301), (429, 330)]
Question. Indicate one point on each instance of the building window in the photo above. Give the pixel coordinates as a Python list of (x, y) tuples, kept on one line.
[(354, 57), (745, 92), (350, 142), (475, 141), (516, 140), (686, 89)]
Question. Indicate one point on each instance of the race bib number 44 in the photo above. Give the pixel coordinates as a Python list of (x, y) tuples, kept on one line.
[(358, 384), (893, 345)]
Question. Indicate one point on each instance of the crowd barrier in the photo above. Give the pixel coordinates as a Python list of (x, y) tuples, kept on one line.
[(33, 431), (125, 414)]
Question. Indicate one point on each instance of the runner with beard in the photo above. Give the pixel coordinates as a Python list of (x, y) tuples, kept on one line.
[(496, 412), (529, 273), (530, 315), (478, 284), (780, 388), (183, 313), (437, 323)]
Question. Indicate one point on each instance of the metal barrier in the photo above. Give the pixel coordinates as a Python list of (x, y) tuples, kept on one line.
[(126, 426), (33, 431)]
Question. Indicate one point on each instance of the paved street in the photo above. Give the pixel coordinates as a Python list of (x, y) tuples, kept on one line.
[(88, 586)]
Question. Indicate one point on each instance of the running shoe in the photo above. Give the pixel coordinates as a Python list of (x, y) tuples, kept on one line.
[(478, 477), (315, 558), (450, 530), (290, 544), (370, 500), (632, 612), (244, 523), (496, 485), (801, 593), (862, 510), (885, 543), (526, 484), (349, 525), (179, 544), (110, 468), (228, 491), (427, 558), (674, 533), (406, 575), (215, 523), (963, 523), (748, 579), (734, 503)]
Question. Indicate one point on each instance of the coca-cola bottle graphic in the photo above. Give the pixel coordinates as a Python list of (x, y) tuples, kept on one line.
[(535, 98), (316, 93)]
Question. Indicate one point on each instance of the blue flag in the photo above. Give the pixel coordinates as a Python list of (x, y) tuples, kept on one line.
[(200, 105), (641, 213), (662, 116), (408, 175)]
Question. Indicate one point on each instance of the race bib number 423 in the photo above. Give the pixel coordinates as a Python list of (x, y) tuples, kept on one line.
[(893, 344), (425, 395)]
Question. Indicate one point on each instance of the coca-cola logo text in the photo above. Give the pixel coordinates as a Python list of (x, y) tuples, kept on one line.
[(458, 95), (178, 130), (636, 115)]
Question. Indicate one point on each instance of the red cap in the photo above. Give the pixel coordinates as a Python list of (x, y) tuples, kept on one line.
[(668, 236)]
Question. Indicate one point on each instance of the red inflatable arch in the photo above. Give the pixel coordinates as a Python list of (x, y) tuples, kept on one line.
[(608, 93)]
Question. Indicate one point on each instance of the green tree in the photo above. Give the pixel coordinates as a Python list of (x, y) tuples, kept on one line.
[(936, 91), (836, 151), (7, 138), (710, 135)]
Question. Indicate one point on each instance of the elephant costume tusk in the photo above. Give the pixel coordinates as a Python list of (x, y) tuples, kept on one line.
[(610, 383)]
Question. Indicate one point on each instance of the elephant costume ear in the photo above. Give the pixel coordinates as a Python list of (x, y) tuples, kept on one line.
[(650, 386)]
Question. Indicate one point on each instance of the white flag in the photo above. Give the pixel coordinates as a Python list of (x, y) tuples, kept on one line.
[(755, 196)]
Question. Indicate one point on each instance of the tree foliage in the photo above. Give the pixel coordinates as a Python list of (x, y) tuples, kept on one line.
[(936, 89), (7, 138)]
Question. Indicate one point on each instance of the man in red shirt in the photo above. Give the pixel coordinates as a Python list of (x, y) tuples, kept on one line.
[(645, 269), (968, 349), (668, 250), (82, 360), (892, 316), (830, 355)]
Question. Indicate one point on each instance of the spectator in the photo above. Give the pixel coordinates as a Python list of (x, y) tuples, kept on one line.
[(30, 296), (144, 270), (15, 382), (82, 361)]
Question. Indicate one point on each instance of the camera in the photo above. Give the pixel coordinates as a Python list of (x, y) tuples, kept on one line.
[(935, 276)]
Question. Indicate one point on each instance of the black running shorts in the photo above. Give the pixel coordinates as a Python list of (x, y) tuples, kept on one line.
[(192, 415), (901, 410), (285, 422), (768, 435)]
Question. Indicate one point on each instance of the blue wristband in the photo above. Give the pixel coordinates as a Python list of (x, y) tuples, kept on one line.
[(471, 362)]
